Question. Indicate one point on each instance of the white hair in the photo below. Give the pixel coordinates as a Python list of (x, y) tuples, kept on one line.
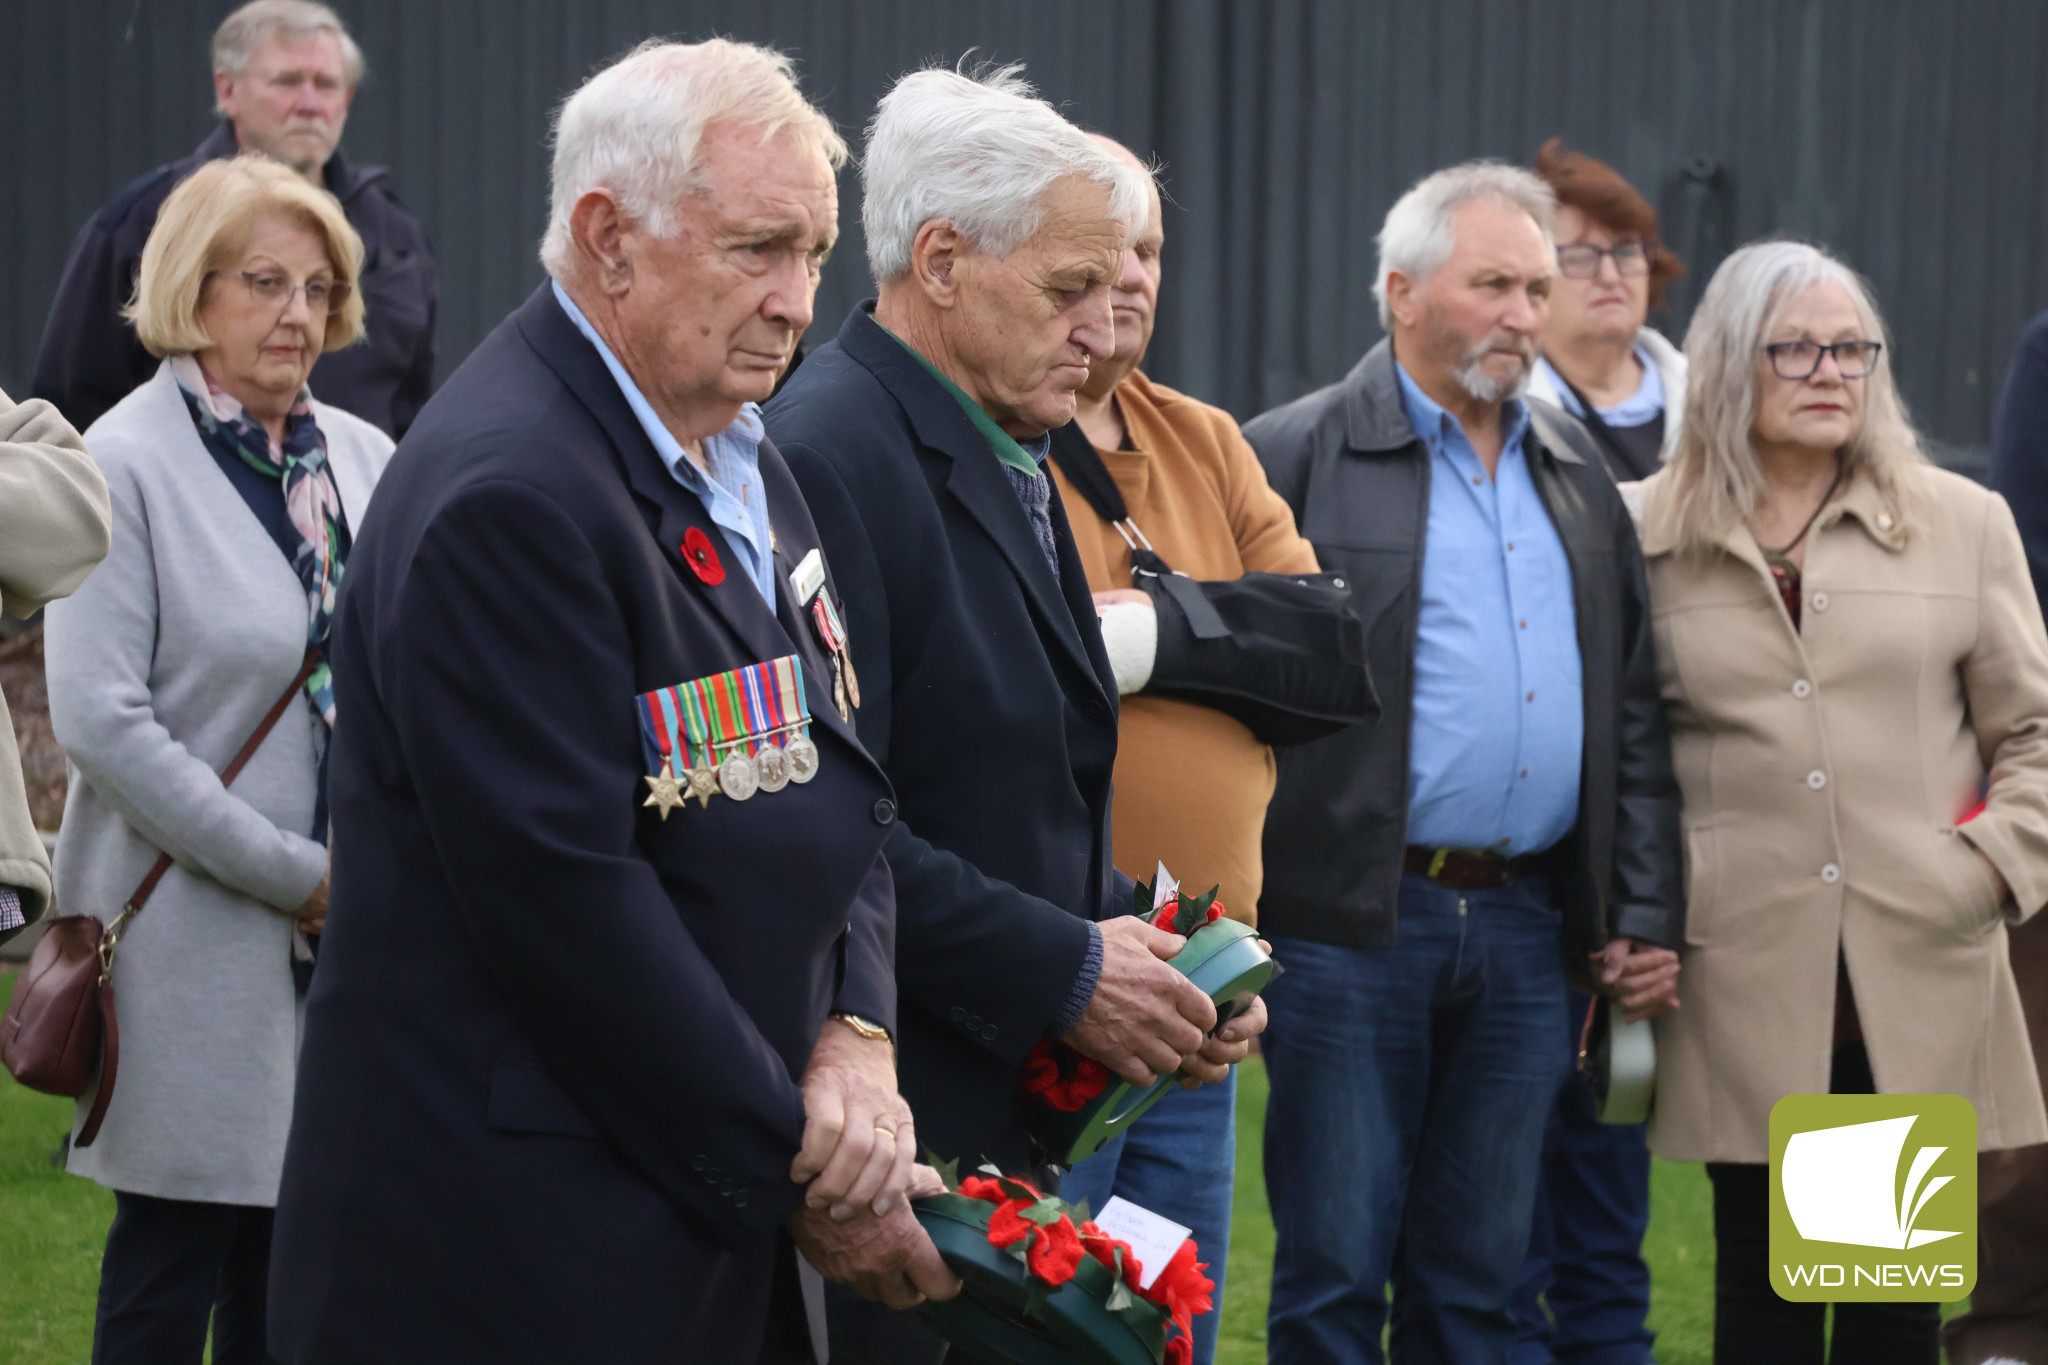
[(978, 151), (1715, 474), (257, 22), (635, 128), (1416, 238)]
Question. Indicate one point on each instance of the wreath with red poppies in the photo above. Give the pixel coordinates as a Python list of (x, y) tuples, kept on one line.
[(1060, 1078), (1050, 1237)]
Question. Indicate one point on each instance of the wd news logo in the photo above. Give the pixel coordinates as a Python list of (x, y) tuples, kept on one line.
[(1873, 1197)]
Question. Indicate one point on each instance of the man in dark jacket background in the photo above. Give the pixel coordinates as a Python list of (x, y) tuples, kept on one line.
[(284, 74), (2008, 1315), (1513, 807)]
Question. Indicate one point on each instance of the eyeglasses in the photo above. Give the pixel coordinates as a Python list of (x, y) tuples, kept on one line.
[(1580, 261), (323, 297), (1801, 359)]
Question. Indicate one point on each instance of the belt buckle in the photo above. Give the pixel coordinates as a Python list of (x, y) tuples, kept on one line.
[(1436, 862)]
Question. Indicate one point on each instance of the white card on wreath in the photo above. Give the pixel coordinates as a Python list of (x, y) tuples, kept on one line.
[(1153, 1239)]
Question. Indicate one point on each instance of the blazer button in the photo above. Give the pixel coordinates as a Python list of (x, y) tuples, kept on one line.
[(1831, 874), (739, 1201), (885, 811), (989, 1034), (974, 1023), (957, 1014), (1096, 710), (1816, 779), (1820, 601), (1802, 689)]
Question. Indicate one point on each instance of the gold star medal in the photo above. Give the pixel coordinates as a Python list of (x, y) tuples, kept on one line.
[(665, 792)]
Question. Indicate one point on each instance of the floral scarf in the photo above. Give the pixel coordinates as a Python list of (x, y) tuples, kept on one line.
[(311, 500)]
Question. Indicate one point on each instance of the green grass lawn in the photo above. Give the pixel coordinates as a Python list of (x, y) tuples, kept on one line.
[(52, 1226)]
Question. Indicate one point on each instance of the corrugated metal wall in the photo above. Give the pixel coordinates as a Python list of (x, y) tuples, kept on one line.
[(1911, 136)]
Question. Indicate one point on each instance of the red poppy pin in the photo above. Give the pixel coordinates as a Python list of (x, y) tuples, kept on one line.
[(703, 557)]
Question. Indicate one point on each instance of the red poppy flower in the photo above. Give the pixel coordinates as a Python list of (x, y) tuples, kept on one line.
[(1052, 1252), (1055, 1253), (1182, 1289), (1179, 1351), (1061, 1078), (1104, 1247), (702, 556), (1216, 911)]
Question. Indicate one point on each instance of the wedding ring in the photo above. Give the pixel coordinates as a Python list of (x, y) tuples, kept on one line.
[(889, 1133)]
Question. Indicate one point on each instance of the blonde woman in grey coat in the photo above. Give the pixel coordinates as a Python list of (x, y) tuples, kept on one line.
[(235, 498)]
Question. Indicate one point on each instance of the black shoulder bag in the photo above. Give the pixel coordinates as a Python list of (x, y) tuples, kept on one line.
[(1284, 654)]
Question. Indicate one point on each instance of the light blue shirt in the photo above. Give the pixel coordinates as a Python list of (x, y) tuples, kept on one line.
[(1498, 729), (1633, 411), (733, 495)]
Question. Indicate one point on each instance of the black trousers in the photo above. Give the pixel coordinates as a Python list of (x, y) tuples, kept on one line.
[(171, 1268), (1752, 1325)]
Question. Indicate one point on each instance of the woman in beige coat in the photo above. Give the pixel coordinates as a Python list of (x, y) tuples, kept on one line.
[(1857, 681)]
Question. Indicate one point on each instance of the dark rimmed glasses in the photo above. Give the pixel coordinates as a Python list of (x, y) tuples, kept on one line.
[(1801, 359), (1581, 261), (323, 297)]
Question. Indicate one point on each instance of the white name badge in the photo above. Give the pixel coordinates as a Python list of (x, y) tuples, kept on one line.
[(1153, 1239), (808, 578)]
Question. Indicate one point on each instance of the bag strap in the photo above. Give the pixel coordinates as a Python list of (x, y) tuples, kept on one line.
[(1075, 454), (147, 888)]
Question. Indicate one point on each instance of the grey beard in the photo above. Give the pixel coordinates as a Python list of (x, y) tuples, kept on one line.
[(1473, 379)]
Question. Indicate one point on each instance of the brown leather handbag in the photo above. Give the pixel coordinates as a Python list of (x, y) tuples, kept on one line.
[(60, 1030)]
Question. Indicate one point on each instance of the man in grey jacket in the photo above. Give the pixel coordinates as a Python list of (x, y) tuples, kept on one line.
[(54, 525)]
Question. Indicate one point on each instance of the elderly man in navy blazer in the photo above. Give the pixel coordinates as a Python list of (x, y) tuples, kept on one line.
[(996, 228), (597, 1059)]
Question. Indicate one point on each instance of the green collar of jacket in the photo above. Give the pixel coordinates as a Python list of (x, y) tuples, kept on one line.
[(1002, 442)]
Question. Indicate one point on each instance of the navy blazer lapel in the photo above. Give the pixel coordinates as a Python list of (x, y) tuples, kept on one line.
[(976, 479), (674, 509)]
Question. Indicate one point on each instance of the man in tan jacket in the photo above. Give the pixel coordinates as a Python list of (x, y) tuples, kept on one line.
[(1192, 783), (55, 520)]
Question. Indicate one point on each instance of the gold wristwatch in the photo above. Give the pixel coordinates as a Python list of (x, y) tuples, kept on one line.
[(866, 1028)]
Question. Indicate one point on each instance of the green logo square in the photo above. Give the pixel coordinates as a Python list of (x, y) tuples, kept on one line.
[(1873, 1198)]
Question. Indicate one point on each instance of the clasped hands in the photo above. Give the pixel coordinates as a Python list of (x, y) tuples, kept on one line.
[(1638, 976), (858, 1161)]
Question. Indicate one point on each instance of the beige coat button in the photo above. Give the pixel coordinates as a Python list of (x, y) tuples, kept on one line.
[(1816, 779), (1820, 601), (1884, 521), (1802, 689), (1831, 874)]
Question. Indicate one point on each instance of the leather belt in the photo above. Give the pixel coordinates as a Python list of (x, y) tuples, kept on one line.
[(1468, 869)]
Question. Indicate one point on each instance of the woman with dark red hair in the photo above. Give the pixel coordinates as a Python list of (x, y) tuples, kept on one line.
[(1600, 362)]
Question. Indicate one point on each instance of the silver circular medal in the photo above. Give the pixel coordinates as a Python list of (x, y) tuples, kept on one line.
[(737, 776), (774, 767), (803, 759)]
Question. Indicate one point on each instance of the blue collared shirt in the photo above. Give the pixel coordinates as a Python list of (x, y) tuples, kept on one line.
[(1499, 725), (733, 495)]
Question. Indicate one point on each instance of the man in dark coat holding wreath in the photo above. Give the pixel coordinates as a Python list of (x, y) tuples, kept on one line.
[(919, 437)]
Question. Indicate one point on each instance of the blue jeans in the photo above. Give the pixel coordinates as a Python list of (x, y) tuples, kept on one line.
[(1586, 1246), (1410, 1088), (1180, 1161)]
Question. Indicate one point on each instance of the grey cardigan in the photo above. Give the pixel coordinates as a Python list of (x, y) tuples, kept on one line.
[(159, 668)]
